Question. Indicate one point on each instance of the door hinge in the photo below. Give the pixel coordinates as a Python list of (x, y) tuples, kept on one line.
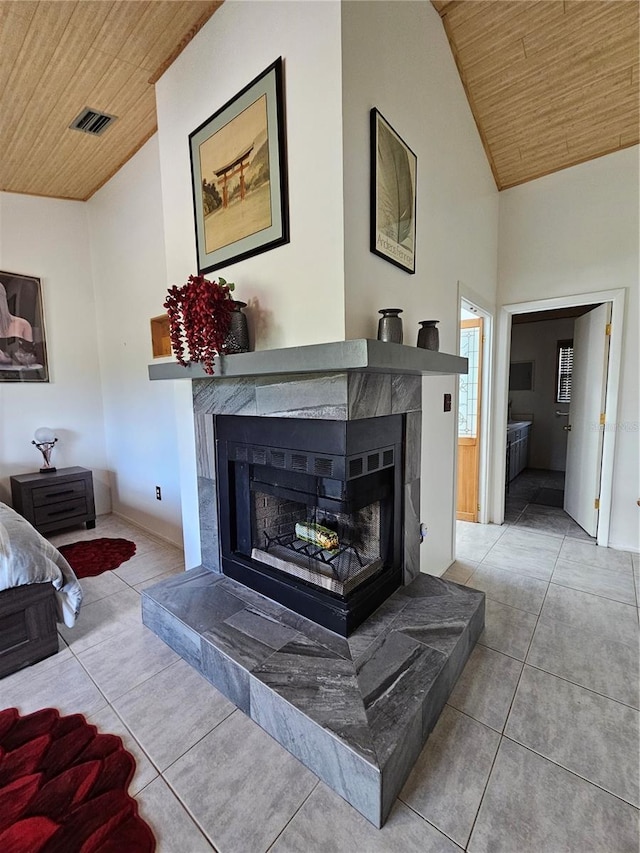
[(602, 416), (596, 503), (607, 329), (478, 509)]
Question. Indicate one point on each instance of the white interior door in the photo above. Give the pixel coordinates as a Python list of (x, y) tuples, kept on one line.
[(588, 390)]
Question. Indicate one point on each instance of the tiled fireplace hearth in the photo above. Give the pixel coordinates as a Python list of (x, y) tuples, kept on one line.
[(355, 706)]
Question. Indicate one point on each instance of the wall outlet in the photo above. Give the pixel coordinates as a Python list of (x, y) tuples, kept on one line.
[(158, 493), (447, 402)]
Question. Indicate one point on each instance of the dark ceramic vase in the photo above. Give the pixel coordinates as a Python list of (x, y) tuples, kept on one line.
[(238, 336), (390, 325), (428, 335)]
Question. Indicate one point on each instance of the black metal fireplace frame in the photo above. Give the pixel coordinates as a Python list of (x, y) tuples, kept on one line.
[(347, 449)]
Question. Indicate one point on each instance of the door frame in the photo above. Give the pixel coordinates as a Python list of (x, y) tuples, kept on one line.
[(487, 312), (503, 349), (475, 321)]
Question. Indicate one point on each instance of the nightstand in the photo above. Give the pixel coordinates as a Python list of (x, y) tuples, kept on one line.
[(55, 500)]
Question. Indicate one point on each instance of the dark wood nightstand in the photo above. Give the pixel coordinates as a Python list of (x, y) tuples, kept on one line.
[(58, 499)]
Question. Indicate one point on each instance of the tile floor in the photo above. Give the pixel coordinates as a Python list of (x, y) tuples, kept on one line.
[(537, 749)]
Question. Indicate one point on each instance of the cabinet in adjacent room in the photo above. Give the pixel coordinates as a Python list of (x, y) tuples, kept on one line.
[(518, 435)]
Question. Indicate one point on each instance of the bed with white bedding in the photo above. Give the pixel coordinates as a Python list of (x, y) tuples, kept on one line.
[(37, 589)]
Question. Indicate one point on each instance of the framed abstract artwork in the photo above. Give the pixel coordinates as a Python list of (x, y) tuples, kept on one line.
[(23, 349), (393, 195), (239, 175)]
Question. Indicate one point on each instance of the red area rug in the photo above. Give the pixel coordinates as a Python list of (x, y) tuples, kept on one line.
[(91, 558), (63, 788)]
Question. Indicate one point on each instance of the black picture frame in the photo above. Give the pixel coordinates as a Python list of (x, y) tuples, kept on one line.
[(23, 346), (239, 175), (394, 168)]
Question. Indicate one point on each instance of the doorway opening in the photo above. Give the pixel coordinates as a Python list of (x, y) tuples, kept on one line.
[(542, 389), (566, 432)]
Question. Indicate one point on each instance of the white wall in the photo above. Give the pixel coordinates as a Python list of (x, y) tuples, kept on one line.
[(129, 272), (296, 289), (49, 239), (295, 292), (537, 342), (573, 232), (396, 57)]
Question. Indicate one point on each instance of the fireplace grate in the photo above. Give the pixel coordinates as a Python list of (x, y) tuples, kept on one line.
[(340, 571), (306, 549)]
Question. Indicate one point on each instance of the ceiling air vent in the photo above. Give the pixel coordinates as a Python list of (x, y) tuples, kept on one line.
[(92, 121)]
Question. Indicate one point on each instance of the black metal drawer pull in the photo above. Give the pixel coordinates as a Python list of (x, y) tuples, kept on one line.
[(59, 494)]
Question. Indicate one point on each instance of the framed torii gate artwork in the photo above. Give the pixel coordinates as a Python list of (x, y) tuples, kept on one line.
[(239, 175)]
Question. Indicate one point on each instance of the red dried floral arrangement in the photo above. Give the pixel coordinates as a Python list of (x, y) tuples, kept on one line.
[(199, 316)]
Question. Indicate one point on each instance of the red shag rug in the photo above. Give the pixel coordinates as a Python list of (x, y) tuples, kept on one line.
[(91, 558), (63, 788)]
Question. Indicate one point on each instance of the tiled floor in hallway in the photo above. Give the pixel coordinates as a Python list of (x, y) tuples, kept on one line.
[(536, 751)]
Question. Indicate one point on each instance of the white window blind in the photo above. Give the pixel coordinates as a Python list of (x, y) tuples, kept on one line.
[(565, 369)]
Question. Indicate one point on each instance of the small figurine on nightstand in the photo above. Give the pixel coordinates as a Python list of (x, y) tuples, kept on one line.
[(44, 440)]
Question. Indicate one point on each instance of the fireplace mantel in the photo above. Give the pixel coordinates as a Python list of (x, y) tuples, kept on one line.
[(360, 355)]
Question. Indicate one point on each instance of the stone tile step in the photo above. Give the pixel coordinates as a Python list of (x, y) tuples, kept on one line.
[(356, 712)]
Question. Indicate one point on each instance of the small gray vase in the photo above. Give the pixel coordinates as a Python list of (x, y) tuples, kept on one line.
[(428, 335), (238, 337), (390, 325)]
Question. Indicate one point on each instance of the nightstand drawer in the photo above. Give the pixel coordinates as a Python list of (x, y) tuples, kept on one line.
[(60, 511), (45, 495)]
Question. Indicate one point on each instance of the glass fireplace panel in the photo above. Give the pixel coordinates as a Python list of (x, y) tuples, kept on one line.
[(331, 550)]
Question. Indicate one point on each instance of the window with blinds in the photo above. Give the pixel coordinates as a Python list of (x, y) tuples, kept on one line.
[(564, 371)]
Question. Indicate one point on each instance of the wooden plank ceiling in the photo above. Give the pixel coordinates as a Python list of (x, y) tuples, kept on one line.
[(551, 83), (57, 57)]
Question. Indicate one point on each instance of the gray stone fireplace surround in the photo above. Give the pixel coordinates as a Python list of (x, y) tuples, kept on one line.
[(355, 710)]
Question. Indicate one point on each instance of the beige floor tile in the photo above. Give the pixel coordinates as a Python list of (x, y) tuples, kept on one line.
[(520, 591), (460, 571), (615, 585), (101, 586), (507, 629), (173, 828), (590, 660), (453, 768), (151, 581), (599, 616), (486, 687), (150, 564), (327, 823), (178, 693), (533, 806), (64, 685), (473, 541), (232, 776), (592, 736), (120, 663), (586, 553), (526, 553), (108, 722), (103, 619)]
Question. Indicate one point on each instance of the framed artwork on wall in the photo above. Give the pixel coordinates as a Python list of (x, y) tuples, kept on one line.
[(23, 349), (393, 195), (239, 175)]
